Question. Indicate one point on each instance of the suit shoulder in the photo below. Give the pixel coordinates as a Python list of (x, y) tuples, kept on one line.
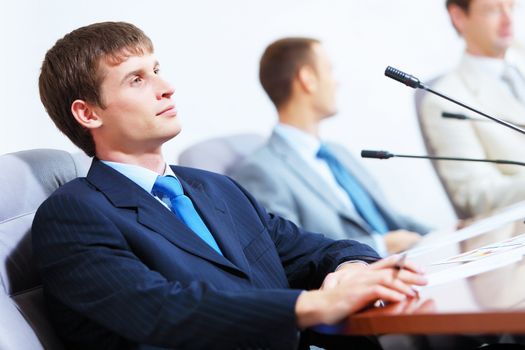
[(75, 186), (58, 204), (78, 189)]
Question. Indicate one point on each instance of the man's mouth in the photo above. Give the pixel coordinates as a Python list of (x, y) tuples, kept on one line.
[(168, 110)]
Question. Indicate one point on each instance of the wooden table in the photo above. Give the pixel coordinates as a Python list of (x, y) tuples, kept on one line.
[(491, 302)]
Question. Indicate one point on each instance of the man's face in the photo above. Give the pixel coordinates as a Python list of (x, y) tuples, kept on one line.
[(325, 95), (487, 26), (138, 114)]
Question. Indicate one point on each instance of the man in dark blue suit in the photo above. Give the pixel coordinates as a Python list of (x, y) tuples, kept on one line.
[(126, 264)]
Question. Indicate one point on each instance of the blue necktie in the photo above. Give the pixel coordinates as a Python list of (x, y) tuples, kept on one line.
[(169, 190), (362, 201)]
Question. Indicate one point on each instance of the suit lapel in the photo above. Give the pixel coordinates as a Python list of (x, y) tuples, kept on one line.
[(311, 178), (124, 193), (216, 215)]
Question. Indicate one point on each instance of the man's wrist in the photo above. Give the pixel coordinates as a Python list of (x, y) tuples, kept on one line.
[(307, 309), (361, 262)]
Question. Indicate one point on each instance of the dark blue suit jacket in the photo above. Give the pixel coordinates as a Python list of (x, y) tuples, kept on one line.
[(121, 271)]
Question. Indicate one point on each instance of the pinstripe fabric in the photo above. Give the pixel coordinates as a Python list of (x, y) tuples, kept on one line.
[(120, 271), (169, 190)]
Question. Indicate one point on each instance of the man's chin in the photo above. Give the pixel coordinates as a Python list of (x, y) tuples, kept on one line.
[(505, 42), (502, 47), (171, 135), (175, 133), (331, 114)]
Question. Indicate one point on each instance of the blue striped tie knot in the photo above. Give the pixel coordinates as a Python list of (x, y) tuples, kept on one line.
[(169, 190)]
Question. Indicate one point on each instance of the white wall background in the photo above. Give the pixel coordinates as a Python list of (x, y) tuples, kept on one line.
[(210, 49)]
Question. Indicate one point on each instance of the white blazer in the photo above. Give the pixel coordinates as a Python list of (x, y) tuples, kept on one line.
[(476, 188)]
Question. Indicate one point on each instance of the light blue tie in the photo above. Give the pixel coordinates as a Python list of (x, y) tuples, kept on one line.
[(515, 81), (169, 190), (362, 201)]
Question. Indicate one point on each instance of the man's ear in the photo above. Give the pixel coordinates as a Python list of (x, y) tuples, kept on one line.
[(457, 17), (85, 114), (307, 78)]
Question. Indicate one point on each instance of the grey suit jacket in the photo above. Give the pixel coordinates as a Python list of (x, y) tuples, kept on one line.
[(284, 183)]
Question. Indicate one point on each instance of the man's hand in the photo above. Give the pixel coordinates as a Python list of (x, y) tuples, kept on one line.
[(400, 240), (355, 287), (345, 272)]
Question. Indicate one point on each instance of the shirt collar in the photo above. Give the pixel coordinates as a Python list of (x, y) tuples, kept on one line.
[(143, 177), (303, 143)]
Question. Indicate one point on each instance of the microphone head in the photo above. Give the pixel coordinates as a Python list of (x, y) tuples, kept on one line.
[(403, 77), (376, 154), (454, 115)]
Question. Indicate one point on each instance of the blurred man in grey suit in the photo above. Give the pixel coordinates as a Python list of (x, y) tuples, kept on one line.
[(295, 175)]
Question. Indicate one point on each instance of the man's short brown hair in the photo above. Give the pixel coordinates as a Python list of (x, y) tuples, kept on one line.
[(280, 63), (71, 71), (464, 4)]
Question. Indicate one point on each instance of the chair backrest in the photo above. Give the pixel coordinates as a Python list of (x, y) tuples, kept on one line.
[(221, 153), (27, 178), (418, 100)]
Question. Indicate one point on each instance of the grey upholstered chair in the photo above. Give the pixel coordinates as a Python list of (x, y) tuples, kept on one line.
[(221, 153), (27, 178)]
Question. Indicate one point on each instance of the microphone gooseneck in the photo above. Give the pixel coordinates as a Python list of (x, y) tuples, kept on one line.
[(387, 155), (459, 116), (414, 82)]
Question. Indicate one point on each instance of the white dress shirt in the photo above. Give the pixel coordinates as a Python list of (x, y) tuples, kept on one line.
[(143, 177)]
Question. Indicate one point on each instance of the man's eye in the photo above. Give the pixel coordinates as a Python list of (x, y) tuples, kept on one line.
[(136, 80), (156, 70)]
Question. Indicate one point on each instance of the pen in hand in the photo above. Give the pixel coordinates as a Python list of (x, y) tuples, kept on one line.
[(399, 264), (402, 264)]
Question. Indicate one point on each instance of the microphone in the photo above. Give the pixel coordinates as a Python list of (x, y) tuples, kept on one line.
[(414, 82), (387, 155), (404, 78), (460, 116)]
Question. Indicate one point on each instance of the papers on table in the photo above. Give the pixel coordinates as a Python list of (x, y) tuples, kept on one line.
[(474, 262), (441, 238), (514, 243), (473, 268)]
